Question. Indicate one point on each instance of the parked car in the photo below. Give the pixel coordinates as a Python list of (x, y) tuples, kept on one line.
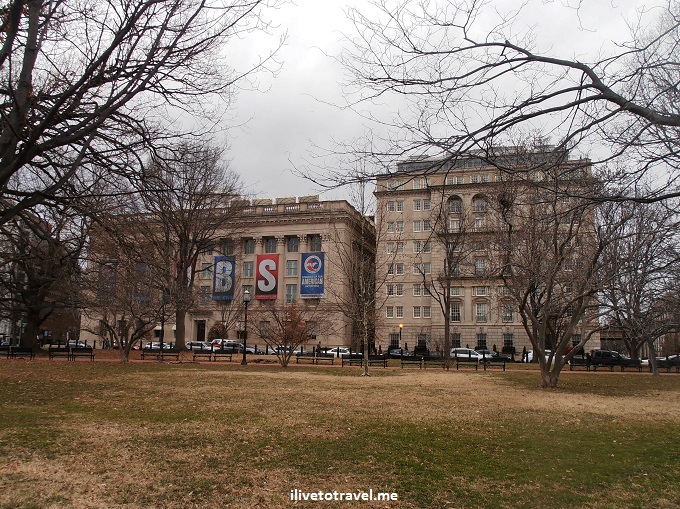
[(198, 345), (466, 353), (397, 353), (155, 345), (608, 358), (72, 343), (337, 351)]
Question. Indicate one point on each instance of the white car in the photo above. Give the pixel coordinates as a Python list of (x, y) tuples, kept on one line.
[(337, 351), (466, 353)]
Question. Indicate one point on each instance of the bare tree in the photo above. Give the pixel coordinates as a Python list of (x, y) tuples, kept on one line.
[(549, 245), (191, 200), (40, 265), (453, 234), (638, 274), (355, 258), (286, 327), (88, 87), (469, 77)]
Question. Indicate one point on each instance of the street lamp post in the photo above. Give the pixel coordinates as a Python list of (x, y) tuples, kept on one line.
[(246, 300), (401, 327)]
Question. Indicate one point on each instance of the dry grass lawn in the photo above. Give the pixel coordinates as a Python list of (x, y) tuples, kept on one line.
[(102, 435)]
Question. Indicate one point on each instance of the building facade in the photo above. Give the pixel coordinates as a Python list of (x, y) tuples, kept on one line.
[(439, 223), (283, 251)]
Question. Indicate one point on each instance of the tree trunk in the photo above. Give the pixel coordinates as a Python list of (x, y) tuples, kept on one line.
[(28, 338), (180, 327)]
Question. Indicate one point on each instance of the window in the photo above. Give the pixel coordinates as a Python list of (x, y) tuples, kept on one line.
[(390, 247), (456, 291), (390, 269), (291, 267), (390, 206), (417, 290), (455, 312), (315, 243), (204, 295), (455, 205), (400, 205), (400, 226), (291, 293), (206, 270), (416, 311), (426, 225), (394, 340), (479, 204), (480, 291), (417, 246), (479, 223), (481, 342), (484, 178), (480, 267), (508, 341), (390, 312), (455, 340), (427, 247), (575, 339), (270, 245), (399, 312), (228, 247), (427, 312), (474, 179), (503, 291), (390, 227), (400, 290), (293, 244), (417, 183), (450, 180), (248, 268), (507, 312), (400, 269), (460, 180), (568, 287), (454, 225), (249, 246), (416, 204), (416, 226), (481, 312), (427, 268), (426, 204), (390, 289), (400, 248)]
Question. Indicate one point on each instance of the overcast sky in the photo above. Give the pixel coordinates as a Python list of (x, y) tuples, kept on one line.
[(289, 116)]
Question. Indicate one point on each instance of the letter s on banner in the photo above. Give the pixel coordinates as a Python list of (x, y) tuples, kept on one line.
[(266, 277)]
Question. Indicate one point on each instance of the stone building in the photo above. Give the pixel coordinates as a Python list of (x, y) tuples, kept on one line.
[(420, 207), (291, 246)]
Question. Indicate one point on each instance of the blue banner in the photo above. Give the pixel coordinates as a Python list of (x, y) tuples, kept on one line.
[(312, 275), (223, 278)]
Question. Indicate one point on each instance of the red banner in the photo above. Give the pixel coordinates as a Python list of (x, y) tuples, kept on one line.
[(266, 277)]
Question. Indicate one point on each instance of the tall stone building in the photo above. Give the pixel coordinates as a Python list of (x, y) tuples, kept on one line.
[(442, 224)]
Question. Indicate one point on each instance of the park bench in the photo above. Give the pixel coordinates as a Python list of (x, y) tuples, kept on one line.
[(57, 351), (160, 354), (668, 364), (324, 357), (357, 359), (579, 362), (222, 355), (414, 360), (82, 351), (199, 354), (466, 361), (494, 362), (434, 360), (303, 357), (632, 364), (20, 351)]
